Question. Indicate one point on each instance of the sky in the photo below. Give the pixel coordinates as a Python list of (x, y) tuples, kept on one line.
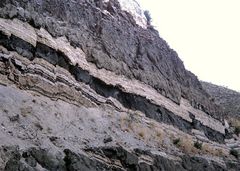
[(205, 34)]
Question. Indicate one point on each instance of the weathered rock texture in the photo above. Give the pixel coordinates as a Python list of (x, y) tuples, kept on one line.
[(129, 93), (228, 99), (111, 39), (85, 86)]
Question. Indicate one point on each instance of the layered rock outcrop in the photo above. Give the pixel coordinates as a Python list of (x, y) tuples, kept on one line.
[(111, 39), (84, 85)]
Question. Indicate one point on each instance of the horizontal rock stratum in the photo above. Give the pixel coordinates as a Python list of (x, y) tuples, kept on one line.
[(89, 85)]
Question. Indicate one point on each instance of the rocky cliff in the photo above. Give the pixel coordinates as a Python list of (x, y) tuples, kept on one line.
[(225, 97), (89, 85), (229, 100)]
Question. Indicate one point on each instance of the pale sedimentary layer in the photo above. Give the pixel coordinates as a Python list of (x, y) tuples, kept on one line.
[(111, 39), (46, 134), (76, 57)]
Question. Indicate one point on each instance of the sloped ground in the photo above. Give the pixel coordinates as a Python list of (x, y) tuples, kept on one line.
[(50, 121), (39, 133)]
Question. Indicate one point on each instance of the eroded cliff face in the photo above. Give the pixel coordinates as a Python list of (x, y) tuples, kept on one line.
[(85, 86), (111, 39), (229, 100), (225, 97)]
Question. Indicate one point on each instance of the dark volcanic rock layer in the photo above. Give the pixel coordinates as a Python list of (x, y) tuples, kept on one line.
[(28, 160), (128, 100), (113, 41)]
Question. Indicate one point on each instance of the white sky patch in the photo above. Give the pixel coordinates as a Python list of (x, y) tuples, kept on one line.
[(205, 34), (133, 7)]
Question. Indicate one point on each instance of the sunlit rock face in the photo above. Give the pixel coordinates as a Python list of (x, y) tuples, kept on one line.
[(134, 8)]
